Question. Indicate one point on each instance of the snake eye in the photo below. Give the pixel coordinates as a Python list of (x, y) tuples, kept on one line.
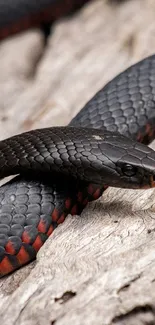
[(129, 170)]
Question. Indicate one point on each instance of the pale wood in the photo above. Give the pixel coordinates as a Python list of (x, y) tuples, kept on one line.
[(104, 259)]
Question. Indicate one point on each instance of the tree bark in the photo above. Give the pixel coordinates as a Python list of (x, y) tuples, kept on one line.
[(98, 268)]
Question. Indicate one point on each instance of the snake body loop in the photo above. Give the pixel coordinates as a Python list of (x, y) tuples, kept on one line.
[(61, 169), (20, 15)]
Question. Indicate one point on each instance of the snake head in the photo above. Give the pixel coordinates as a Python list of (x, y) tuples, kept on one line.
[(135, 176), (127, 163)]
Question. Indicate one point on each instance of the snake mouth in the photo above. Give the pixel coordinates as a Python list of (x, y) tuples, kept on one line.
[(152, 181)]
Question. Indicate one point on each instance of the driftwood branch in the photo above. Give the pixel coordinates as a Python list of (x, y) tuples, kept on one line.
[(98, 268)]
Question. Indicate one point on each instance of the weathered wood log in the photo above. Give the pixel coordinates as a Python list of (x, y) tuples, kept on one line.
[(98, 268)]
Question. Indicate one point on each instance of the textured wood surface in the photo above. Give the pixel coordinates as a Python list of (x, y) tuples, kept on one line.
[(98, 268)]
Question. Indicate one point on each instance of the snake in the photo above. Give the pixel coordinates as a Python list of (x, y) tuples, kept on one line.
[(58, 170)]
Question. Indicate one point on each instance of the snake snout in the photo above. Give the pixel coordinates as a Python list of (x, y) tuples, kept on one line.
[(152, 181)]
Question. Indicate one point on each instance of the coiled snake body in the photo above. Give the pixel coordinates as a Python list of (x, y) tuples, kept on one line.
[(61, 169)]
